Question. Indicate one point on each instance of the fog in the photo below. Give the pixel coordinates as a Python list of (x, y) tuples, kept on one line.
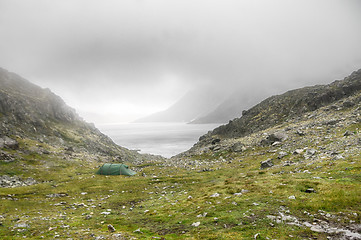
[(116, 61)]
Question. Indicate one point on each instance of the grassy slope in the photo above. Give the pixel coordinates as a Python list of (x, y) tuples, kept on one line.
[(164, 201), (168, 200)]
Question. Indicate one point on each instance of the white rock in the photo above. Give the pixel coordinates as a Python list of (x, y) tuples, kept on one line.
[(196, 224), (215, 195)]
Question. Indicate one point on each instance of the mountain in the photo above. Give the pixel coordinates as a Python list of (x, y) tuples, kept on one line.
[(194, 104), (28, 112), (232, 106), (291, 171), (280, 108), (287, 108)]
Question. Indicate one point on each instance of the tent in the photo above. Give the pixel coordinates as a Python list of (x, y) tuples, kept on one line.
[(115, 169)]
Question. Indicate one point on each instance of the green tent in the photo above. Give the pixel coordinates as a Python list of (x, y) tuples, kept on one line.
[(115, 169)]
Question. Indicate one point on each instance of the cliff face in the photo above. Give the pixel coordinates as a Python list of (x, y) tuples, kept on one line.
[(30, 112), (278, 109)]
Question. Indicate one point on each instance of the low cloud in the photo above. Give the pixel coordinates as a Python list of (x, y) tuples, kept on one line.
[(147, 54)]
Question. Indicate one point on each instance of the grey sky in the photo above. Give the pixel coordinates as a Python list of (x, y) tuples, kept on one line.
[(126, 59)]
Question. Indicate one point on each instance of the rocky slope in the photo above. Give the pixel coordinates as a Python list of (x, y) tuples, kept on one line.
[(30, 112), (298, 179), (233, 106), (303, 118), (292, 104)]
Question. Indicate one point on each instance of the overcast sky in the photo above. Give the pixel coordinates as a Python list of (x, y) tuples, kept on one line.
[(124, 59)]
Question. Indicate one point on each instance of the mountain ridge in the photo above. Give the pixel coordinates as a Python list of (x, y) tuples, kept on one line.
[(28, 111), (278, 108)]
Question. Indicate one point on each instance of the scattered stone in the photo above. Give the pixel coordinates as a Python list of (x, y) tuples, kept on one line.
[(21, 225), (137, 231), (348, 104), (300, 133), (288, 163), (266, 164), (238, 147), (274, 137), (15, 181), (298, 151), (281, 155), (347, 133), (6, 142), (310, 190), (317, 228), (196, 224), (215, 195), (56, 195), (292, 197), (6, 157), (111, 228), (310, 153)]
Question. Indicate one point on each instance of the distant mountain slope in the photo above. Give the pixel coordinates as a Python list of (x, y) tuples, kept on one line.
[(278, 109), (233, 106), (194, 104), (30, 112)]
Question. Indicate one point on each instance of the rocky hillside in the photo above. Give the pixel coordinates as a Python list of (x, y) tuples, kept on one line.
[(30, 112), (292, 104), (298, 178)]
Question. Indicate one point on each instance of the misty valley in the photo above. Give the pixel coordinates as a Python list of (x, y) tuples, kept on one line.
[(165, 139), (289, 168), (172, 120)]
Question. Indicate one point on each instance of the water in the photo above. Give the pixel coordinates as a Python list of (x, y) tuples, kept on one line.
[(166, 139)]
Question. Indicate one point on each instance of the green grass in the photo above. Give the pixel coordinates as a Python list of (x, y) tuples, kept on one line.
[(167, 205)]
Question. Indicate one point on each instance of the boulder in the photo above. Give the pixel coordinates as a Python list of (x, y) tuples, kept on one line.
[(347, 133), (267, 164), (282, 155), (274, 137), (348, 104), (310, 153), (238, 147), (6, 142)]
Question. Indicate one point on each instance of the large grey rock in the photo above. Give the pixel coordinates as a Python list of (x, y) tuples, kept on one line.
[(310, 153), (274, 137), (6, 142), (267, 164), (238, 147)]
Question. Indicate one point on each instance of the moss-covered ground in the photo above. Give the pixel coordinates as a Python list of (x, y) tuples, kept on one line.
[(235, 200)]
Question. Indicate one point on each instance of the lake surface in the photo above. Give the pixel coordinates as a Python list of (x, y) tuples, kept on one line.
[(166, 139)]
